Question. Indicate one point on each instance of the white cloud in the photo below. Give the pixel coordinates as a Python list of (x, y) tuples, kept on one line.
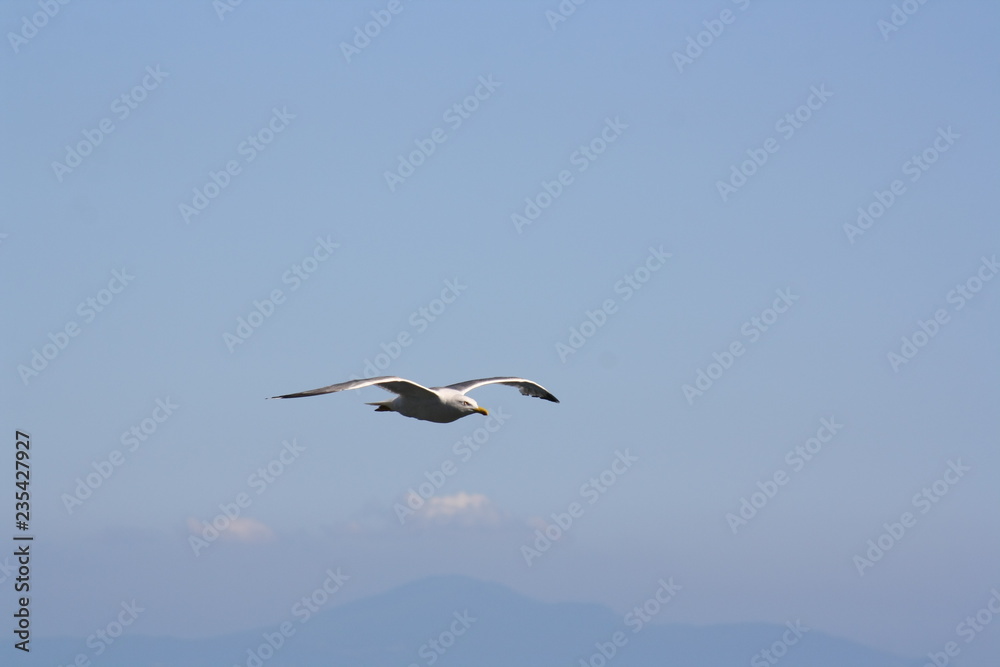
[(464, 509), (241, 529)]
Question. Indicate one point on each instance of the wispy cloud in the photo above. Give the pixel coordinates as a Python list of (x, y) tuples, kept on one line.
[(460, 509), (240, 529)]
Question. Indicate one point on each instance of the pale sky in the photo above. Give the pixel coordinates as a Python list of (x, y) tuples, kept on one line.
[(749, 246)]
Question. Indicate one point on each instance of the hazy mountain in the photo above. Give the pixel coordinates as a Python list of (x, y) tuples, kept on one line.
[(459, 621)]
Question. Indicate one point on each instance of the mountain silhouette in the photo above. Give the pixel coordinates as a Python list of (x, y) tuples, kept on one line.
[(457, 621)]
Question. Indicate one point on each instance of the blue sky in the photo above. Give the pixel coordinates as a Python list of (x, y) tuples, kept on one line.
[(817, 109)]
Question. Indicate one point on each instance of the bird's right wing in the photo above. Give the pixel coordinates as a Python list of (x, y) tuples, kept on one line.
[(397, 385), (527, 387)]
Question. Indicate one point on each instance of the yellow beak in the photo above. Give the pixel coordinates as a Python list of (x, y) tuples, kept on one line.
[(482, 411)]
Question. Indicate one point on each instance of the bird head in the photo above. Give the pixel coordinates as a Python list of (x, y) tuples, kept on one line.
[(468, 405)]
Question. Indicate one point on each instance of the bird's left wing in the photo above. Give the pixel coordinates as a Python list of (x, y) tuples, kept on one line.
[(527, 387), (396, 385)]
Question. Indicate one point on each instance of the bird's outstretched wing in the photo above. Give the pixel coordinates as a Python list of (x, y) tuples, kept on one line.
[(397, 385), (527, 387)]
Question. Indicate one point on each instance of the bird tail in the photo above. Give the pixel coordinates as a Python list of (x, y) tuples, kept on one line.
[(382, 406)]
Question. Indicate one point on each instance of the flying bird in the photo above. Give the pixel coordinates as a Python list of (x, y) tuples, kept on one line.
[(434, 404)]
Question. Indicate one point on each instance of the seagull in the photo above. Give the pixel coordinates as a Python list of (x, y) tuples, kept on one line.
[(434, 404)]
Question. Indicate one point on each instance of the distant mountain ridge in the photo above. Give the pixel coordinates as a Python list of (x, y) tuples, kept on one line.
[(452, 620)]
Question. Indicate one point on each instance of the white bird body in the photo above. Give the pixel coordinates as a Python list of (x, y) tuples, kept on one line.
[(446, 406), (434, 404)]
